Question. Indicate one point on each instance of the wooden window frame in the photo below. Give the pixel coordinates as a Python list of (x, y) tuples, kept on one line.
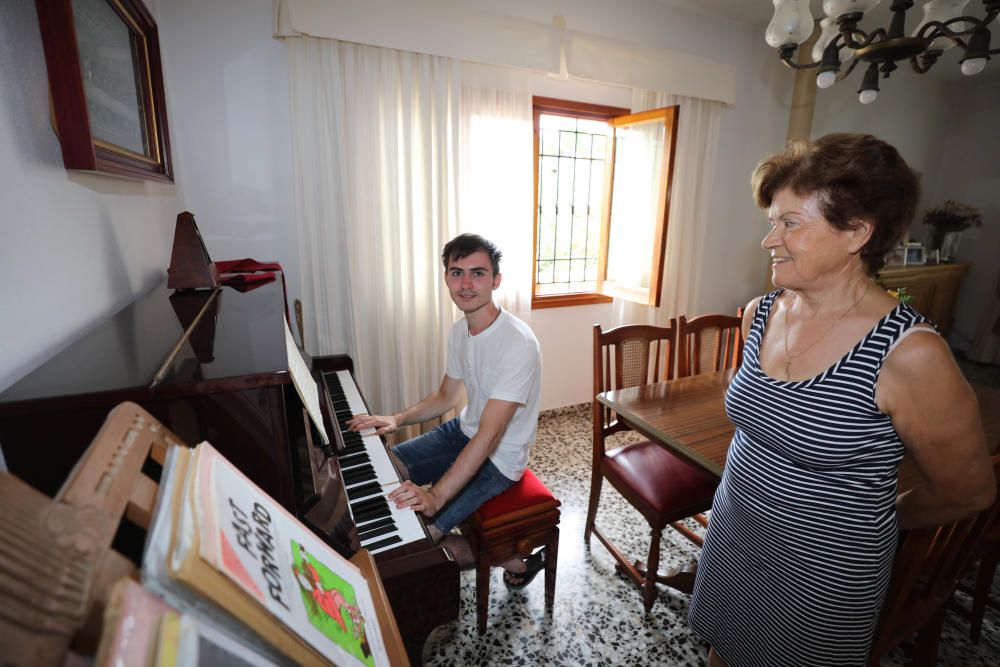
[(549, 105), (615, 117)]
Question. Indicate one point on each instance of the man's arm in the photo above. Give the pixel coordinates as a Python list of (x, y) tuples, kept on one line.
[(492, 424), (431, 406)]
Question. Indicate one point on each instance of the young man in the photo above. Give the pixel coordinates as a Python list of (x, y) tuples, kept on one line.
[(483, 451)]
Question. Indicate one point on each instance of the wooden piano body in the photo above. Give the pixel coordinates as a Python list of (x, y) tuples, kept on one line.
[(229, 385)]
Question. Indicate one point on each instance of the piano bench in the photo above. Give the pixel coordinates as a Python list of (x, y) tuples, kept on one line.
[(513, 523)]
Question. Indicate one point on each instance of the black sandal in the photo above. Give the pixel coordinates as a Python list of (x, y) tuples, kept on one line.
[(533, 565)]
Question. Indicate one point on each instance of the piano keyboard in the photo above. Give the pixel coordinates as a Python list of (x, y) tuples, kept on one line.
[(368, 474)]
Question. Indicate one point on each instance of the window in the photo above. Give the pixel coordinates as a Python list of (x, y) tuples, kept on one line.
[(602, 183)]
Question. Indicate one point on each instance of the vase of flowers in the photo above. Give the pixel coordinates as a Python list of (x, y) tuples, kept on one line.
[(950, 219)]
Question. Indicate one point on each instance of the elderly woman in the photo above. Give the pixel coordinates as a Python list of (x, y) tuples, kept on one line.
[(838, 380)]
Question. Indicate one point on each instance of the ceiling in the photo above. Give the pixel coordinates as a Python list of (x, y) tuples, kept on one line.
[(749, 12), (758, 13)]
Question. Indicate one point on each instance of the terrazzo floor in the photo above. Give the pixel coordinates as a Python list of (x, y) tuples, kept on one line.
[(598, 617)]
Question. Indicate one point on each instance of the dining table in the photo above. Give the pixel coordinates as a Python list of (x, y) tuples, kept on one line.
[(687, 416)]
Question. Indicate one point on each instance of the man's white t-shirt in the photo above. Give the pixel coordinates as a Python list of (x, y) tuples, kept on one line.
[(501, 362)]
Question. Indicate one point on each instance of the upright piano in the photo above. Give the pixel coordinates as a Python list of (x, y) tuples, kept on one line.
[(229, 383)]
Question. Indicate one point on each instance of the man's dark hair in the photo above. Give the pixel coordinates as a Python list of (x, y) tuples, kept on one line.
[(464, 245)]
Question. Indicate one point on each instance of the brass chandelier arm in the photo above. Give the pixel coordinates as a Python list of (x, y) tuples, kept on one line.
[(885, 48)]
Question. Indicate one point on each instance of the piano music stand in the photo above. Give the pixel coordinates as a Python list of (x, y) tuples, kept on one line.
[(54, 586)]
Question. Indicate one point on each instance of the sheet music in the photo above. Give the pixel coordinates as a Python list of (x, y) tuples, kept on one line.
[(304, 383)]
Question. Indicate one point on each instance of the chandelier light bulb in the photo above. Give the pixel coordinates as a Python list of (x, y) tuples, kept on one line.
[(791, 24), (835, 8), (973, 66), (867, 96), (826, 79)]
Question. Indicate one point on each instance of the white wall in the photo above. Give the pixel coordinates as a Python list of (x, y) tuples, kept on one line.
[(227, 88), (946, 130), (969, 172), (227, 98), (733, 271), (74, 247)]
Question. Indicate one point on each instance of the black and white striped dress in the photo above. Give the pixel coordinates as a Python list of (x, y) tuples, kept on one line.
[(803, 529)]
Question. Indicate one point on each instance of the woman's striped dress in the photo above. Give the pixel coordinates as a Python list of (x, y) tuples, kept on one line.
[(803, 529)]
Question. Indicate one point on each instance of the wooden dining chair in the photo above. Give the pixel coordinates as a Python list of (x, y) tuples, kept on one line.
[(925, 573), (989, 559), (708, 343), (662, 487)]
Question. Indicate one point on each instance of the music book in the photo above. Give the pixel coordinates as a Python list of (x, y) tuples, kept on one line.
[(304, 383), (222, 550), (185, 641)]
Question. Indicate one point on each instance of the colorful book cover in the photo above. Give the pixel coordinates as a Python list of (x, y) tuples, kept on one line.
[(272, 557)]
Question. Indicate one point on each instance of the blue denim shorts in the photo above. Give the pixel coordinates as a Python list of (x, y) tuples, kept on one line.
[(427, 457)]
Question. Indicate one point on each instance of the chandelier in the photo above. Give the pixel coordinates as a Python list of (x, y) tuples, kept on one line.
[(841, 39)]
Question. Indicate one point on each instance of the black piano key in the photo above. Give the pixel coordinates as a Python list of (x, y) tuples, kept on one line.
[(372, 514), (359, 469), (376, 524), (383, 543), (363, 490), (370, 503), (375, 532), (361, 473), (354, 459)]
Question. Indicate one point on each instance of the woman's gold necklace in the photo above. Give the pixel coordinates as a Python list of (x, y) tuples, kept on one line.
[(790, 357)]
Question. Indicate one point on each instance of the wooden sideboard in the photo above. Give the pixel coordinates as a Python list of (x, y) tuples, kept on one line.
[(934, 288)]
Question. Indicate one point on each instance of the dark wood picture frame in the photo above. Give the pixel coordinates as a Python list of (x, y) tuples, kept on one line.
[(83, 147)]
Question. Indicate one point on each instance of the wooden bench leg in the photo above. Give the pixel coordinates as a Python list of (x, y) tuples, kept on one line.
[(551, 560), (482, 593)]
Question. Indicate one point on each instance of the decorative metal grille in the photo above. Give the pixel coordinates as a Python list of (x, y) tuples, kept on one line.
[(571, 159)]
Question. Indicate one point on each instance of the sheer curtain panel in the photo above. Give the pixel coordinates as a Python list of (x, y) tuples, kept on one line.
[(375, 141), (496, 179), (694, 169)]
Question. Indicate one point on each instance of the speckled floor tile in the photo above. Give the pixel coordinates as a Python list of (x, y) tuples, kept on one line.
[(598, 617)]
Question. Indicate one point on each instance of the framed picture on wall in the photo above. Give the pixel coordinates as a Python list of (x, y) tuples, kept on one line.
[(106, 86)]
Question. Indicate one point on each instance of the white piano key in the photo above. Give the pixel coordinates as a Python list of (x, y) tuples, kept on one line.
[(385, 471), (408, 528), (351, 393)]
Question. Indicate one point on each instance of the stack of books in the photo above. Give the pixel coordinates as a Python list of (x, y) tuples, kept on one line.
[(237, 581)]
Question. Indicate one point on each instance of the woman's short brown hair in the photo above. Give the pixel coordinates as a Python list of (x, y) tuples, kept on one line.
[(856, 176)]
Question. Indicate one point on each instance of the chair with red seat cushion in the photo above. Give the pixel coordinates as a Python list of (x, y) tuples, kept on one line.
[(662, 487), (513, 523)]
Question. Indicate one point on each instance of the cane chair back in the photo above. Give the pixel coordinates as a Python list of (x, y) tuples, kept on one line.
[(662, 487), (708, 343)]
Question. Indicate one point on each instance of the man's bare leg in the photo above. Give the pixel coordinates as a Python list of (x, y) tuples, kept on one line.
[(460, 548)]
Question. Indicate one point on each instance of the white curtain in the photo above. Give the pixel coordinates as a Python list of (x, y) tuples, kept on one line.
[(384, 143), (375, 140), (496, 179), (694, 169)]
